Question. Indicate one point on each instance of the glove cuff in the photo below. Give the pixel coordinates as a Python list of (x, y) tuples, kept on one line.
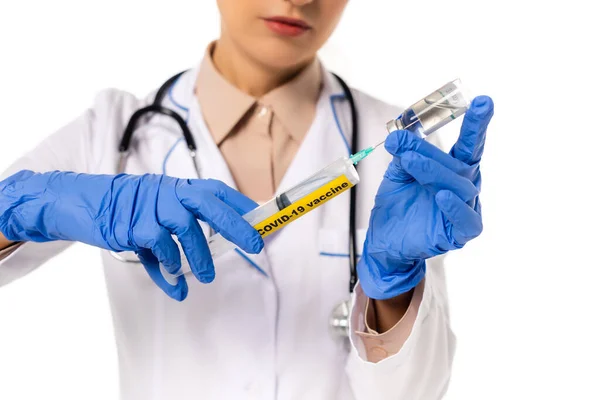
[(378, 286)]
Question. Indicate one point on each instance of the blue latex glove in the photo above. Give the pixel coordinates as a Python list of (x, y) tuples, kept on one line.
[(426, 205), (129, 213)]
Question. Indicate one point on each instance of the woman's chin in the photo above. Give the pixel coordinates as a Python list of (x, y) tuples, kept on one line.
[(282, 56)]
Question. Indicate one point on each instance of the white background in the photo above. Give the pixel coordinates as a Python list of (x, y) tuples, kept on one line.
[(524, 296)]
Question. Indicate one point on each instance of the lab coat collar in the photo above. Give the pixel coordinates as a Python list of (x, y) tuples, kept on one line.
[(179, 96)]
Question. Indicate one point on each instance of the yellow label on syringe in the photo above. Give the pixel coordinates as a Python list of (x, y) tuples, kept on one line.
[(302, 206)]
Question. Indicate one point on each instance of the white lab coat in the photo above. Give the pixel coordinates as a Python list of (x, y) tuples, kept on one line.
[(247, 335)]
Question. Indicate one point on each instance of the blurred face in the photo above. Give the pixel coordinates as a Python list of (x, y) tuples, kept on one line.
[(279, 33)]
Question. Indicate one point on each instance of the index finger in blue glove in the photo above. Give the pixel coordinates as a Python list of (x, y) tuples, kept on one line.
[(401, 141), (432, 174), (224, 220), (396, 173), (203, 203), (469, 146), (465, 222)]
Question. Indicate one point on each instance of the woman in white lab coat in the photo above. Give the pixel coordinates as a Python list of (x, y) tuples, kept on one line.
[(255, 323)]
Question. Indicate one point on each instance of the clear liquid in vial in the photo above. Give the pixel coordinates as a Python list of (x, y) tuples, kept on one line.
[(434, 111)]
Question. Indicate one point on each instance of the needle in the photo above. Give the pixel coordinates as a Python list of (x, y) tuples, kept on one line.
[(359, 156)]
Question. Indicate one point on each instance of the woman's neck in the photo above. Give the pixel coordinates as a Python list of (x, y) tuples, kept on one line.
[(247, 73)]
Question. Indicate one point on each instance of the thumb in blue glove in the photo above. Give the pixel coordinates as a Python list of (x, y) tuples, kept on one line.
[(426, 205)]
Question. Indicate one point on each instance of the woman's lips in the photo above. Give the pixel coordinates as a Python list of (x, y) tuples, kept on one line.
[(287, 26)]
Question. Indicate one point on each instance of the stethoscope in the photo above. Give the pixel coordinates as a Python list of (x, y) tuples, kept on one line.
[(339, 321)]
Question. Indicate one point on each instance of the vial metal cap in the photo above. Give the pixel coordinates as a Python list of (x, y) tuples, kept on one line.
[(393, 125)]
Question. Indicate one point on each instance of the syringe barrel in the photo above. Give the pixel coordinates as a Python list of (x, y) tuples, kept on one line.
[(433, 111), (291, 204)]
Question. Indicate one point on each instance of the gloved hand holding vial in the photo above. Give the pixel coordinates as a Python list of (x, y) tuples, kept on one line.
[(427, 204)]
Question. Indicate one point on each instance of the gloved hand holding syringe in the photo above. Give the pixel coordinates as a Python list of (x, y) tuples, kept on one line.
[(423, 117)]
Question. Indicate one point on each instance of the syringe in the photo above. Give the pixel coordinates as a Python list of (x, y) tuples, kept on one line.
[(286, 207), (423, 117), (290, 205)]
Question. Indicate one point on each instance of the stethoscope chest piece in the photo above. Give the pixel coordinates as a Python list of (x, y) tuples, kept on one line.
[(339, 321)]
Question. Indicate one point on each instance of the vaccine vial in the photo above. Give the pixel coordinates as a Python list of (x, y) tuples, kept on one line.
[(434, 111)]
